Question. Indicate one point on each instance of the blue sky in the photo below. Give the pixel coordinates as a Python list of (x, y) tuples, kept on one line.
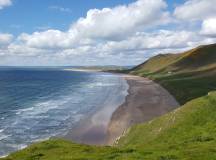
[(101, 32)]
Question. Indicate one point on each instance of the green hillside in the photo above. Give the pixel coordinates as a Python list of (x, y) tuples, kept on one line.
[(186, 133), (200, 58), (186, 75), (155, 64)]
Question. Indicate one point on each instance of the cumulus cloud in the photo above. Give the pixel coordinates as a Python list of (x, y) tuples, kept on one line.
[(5, 39), (120, 21), (52, 39), (5, 3), (196, 9), (209, 27), (47, 39), (159, 40), (23, 50)]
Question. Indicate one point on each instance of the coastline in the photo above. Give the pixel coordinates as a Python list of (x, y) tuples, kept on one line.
[(145, 100)]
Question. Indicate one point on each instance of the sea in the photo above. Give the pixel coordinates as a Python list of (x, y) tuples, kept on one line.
[(39, 103)]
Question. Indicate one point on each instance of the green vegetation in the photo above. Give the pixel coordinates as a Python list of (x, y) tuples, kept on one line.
[(187, 75), (187, 133)]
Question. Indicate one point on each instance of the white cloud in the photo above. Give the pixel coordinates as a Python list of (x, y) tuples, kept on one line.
[(160, 40), (120, 21), (5, 3), (52, 39), (209, 27), (5, 39), (47, 39), (196, 9), (23, 50)]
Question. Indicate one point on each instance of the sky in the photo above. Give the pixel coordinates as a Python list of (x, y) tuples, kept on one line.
[(101, 32)]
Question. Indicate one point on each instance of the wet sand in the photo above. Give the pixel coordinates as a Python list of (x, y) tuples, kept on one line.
[(145, 101)]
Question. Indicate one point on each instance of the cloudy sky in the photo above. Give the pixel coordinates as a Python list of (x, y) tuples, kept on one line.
[(101, 32)]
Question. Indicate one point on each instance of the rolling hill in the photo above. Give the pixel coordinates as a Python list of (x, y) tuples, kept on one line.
[(200, 58), (186, 75)]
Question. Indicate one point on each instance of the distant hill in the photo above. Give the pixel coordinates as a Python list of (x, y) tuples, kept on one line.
[(200, 58), (192, 72)]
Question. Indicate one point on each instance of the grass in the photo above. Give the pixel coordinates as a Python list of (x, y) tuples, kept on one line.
[(58, 149), (186, 133), (187, 86)]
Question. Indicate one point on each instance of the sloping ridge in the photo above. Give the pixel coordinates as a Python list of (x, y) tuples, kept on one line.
[(156, 63), (200, 58)]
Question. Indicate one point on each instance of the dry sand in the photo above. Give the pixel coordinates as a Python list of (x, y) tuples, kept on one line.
[(145, 101)]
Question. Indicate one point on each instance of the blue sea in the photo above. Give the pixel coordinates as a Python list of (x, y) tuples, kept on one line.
[(39, 103)]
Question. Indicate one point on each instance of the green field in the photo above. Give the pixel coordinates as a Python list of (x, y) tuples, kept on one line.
[(187, 133)]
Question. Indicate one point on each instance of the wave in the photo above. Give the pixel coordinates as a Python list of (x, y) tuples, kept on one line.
[(3, 136), (99, 84)]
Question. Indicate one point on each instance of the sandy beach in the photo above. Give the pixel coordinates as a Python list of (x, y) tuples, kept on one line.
[(145, 101)]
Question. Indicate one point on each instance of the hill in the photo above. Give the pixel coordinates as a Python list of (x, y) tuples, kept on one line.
[(186, 75), (186, 133)]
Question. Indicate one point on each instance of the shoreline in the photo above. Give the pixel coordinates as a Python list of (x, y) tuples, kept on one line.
[(92, 130), (145, 101)]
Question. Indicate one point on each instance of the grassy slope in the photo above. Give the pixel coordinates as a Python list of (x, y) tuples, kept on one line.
[(187, 75), (186, 133)]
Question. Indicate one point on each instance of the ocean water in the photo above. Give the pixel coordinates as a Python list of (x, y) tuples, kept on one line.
[(36, 104)]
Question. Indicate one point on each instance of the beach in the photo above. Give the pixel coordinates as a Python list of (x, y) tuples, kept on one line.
[(145, 100)]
